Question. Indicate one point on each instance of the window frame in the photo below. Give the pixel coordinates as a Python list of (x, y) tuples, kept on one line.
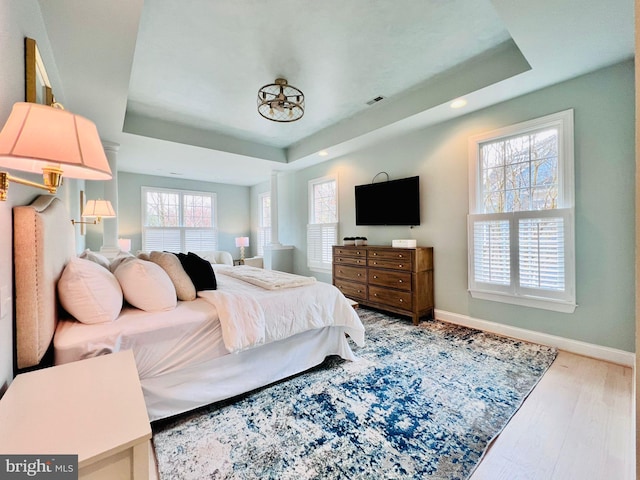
[(181, 193), (514, 293), (325, 264), (264, 231)]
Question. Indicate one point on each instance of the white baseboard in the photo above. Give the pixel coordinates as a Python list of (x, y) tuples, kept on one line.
[(612, 355)]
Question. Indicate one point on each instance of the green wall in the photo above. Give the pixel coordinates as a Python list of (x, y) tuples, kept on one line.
[(603, 102), (233, 209)]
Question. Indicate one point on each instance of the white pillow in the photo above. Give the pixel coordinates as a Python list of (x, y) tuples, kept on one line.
[(208, 256), (119, 258), (89, 292), (146, 285), (95, 257)]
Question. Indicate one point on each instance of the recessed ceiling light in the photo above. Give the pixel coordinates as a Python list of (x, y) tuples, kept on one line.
[(458, 103), (323, 153)]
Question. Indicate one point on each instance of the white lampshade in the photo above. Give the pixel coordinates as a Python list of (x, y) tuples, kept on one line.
[(242, 241), (124, 244), (98, 208), (37, 136)]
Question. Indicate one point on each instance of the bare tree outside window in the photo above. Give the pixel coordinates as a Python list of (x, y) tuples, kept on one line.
[(178, 220)]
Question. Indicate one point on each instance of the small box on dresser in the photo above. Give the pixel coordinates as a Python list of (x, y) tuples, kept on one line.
[(398, 280)]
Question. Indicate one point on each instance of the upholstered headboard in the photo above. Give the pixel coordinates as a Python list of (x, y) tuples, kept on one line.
[(43, 243)]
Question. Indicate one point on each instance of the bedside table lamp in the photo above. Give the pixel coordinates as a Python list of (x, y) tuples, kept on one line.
[(242, 242), (42, 139)]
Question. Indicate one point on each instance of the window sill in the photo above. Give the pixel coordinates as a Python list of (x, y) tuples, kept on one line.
[(321, 270), (533, 302)]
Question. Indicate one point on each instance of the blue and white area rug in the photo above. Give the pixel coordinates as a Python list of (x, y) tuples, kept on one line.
[(421, 402)]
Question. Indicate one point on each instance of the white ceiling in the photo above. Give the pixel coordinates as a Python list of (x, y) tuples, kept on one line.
[(175, 83)]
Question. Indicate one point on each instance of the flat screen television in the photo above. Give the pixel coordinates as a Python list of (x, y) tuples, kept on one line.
[(395, 202)]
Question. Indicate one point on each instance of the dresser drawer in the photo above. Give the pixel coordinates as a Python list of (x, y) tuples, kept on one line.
[(343, 260), (390, 278), (400, 264), (352, 290), (357, 274), (392, 254), (393, 298), (350, 252)]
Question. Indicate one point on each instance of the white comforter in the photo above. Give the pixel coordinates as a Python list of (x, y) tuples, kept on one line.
[(252, 316), (269, 279)]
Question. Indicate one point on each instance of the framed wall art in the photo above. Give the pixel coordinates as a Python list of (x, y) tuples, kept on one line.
[(37, 85)]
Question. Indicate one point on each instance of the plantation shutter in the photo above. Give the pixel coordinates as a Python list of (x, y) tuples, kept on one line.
[(520, 228), (264, 238), (320, 238), (200, 240), (491, 250), (178, 220)]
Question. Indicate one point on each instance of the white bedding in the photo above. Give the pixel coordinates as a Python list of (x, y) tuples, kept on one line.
[(269, 279), (252, 316), (182, 359)]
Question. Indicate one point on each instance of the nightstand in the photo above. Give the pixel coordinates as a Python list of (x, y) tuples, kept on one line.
[(93, 408)]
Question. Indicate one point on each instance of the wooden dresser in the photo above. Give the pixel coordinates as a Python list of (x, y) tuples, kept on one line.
[(398, 280)]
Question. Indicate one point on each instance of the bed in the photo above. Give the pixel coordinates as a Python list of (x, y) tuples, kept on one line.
[(197, 353)]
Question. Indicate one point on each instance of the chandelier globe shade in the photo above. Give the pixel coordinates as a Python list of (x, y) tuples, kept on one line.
[(281, 102)]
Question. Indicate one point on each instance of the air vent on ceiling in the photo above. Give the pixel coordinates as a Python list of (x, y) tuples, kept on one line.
[(375, 100)]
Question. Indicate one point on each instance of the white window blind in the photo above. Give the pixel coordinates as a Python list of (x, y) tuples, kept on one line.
[(178, 221), (491, 251), (521, 240), (322, 230), (320, 240), (264, 221)]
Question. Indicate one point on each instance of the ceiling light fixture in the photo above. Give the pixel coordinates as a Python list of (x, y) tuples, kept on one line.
[(281, 102)]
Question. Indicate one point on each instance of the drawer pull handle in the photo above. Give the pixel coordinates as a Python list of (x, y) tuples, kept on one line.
[(375, 276), (400, 256), (375, 254), (400, 265), (359, 274), (375, 294), (401, 300), (399, 281), (357, 253)]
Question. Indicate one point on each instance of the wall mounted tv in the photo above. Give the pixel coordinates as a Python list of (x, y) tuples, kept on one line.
[(395, 202)]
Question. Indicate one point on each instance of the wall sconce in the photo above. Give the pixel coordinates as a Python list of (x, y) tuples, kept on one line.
[(242, 242), (39, 138), (97, 210)]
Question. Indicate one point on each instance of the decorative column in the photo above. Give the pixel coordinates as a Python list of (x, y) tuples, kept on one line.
[(277, 256), (110, 225)]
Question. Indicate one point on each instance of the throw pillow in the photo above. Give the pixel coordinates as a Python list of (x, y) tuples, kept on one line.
[(120, 258), (95, 257), (199, 270), (89, 292), (146, 285), (181, 281)]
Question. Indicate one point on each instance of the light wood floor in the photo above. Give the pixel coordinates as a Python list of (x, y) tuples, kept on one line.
[(575, 425)]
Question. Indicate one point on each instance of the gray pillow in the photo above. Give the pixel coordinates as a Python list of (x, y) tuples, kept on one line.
[(181, 281)]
